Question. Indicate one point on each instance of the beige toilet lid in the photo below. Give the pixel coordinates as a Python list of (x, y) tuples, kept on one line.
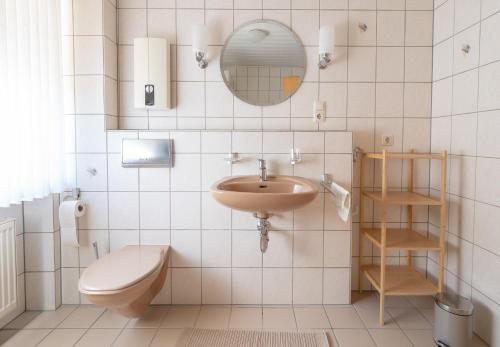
[(123, 268)]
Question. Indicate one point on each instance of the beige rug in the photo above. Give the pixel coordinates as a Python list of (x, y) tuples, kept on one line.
[(243, 338)]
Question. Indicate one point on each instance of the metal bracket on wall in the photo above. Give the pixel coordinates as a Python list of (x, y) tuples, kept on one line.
[(355, 154)]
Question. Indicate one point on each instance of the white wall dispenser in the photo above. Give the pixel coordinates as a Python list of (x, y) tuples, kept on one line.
[(151, 73)]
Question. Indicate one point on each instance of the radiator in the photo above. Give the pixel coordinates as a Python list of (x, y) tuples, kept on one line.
[(8, 274)]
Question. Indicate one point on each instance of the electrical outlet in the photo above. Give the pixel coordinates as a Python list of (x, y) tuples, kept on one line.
[(387, 140), (319, 111)]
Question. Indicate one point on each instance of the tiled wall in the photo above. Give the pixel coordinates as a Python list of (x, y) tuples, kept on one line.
[(379, 84), (383, 73), (16, 211), (466, 122), (216, 257), (42, 253)]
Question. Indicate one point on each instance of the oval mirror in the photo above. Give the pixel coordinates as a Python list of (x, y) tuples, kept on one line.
[(263, 62)]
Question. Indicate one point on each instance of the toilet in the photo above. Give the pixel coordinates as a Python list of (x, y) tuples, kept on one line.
[(126, 281)]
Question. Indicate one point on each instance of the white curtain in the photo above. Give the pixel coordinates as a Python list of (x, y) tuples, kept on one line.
[(31, 97)]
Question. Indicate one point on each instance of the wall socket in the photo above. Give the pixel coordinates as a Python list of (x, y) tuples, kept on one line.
[(387, 140), (319, 111)]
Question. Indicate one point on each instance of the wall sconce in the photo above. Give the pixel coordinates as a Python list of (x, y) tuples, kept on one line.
[(326, 46), (295, 156), (199, 32)]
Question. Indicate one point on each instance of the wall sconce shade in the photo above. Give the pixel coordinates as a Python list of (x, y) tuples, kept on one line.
[(326, 45), (199, 44)]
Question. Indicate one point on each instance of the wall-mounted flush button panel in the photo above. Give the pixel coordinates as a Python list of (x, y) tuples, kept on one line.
[(147, 153), (151, 73), (149, 95), (319, 113)]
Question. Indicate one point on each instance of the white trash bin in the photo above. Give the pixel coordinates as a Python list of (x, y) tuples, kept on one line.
[(452, 321)]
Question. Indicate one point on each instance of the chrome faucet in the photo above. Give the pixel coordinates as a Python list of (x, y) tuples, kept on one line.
[(263, 170)]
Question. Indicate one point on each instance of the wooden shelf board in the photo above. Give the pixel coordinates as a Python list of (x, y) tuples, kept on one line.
[(375, 155), (403, 198), (401, 239), (400, 280)]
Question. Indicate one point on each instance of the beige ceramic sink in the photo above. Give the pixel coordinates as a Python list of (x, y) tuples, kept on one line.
[(278, 193)]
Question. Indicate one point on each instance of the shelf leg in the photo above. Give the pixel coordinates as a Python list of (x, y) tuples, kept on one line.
[(383, 238), (361, 211), (409, 208), (442, 222), (381, 317)]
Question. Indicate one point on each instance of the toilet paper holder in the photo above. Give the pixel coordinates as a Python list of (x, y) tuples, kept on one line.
[(74, 194)]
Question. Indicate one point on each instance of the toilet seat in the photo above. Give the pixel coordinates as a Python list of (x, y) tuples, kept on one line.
[(122, 269)]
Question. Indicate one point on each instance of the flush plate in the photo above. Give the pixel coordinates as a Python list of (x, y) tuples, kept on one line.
[(147, 153)]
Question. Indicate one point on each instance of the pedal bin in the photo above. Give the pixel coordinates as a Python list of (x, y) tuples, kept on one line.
[(452, 321)]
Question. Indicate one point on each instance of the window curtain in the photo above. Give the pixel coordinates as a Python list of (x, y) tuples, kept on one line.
[(31, 97)]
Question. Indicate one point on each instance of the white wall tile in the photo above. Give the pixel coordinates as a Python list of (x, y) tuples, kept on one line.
[(91, 172), (419, 28), (154, 210), (216, 286), (186, 286), (391, 28), (123, 210), (489, 45), (487, 130), (277, 286), (185, 211), (358, 37), (307, 286), (185, 174), (489, 90), (216, 248), (131, 24), (88, 55), (87, 16), (121, 238), (186, 248), (245, 249), (334, 292), (161, 23), (246, 286)]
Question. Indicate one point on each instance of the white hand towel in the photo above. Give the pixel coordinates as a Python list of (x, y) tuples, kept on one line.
[(342, 200)]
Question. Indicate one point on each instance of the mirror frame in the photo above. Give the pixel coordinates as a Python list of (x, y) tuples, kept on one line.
[(268, 21)]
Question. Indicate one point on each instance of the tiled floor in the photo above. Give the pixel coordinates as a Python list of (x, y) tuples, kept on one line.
[(409, 323)]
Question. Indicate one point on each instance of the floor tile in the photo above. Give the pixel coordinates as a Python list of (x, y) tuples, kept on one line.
[(152, 318), (214, 317), (24, 338), (422, 301), (246, 318), (343, 317), (181, 317), (278, 318), (397, 302), (409, 318), (110, 320), (353, 338), (428, 313), (421, 338), (369, 316), (51, 319), (311, 317), (167, 337), (98, 337), (22, 320), (62, 338), (477, 342), (83, 317), (390, 338), (135, 338)]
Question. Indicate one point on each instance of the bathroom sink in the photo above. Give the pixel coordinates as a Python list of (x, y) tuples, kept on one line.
[(277, 193)]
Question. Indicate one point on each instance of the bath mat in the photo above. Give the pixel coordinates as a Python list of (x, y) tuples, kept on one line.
[(244, 338)]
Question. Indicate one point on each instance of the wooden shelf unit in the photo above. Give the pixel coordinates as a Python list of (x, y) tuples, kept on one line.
[(394, 279)]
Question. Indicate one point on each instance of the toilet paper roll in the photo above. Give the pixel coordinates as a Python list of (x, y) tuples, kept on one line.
[(69, 211)]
